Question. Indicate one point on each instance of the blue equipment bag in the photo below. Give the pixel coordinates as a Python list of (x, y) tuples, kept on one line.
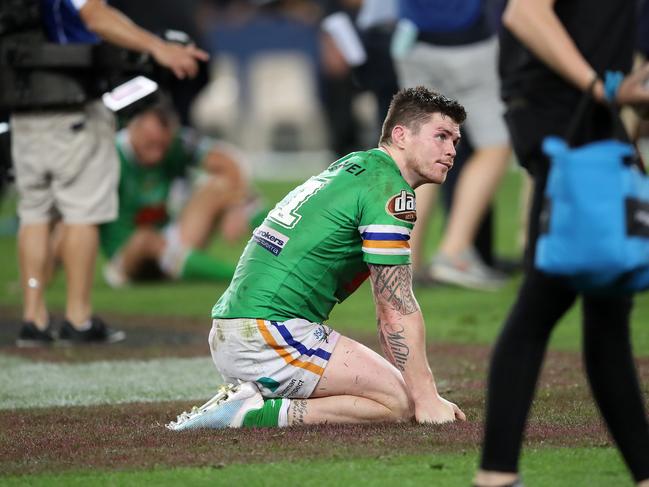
[(595, 222)]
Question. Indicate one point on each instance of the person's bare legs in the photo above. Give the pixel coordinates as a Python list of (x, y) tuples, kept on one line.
[(79, 252), (207, 204), (57, 229), (476, 187), (426, 196), (33, 261), (195, 225), (145, 244), (358, 386)]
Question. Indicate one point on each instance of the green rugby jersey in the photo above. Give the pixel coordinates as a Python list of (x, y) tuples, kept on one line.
[(312, 249), (143, 190)]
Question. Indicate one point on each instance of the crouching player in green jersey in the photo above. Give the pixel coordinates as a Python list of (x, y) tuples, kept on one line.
[(318, 244), (144, 240)]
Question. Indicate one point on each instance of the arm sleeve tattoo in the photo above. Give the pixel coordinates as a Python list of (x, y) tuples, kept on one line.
[(393, 342), (393, 284)]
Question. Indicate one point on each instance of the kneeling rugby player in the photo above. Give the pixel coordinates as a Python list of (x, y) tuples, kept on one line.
[(318, 244)]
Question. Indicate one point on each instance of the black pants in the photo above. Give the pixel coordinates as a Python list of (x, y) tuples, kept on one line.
[(542, 300)]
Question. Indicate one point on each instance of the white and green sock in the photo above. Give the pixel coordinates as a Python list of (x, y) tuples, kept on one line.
[(274, 413)]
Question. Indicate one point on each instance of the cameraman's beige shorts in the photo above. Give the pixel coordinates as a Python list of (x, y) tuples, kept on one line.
[(284, 359), (66, 164)]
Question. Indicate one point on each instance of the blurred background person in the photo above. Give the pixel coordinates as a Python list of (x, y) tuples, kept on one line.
[(356, 36), (551, 53), (451, 47), (65, 163), (264, 93), (282, 87), (157, 156)]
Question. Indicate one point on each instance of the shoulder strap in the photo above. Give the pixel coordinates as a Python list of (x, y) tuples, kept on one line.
[(619, 130)]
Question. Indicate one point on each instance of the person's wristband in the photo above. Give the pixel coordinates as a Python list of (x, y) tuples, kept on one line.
[(612, 82)]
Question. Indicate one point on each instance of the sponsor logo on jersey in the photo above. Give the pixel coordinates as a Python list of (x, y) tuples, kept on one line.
[(270, 239), (402, 207)]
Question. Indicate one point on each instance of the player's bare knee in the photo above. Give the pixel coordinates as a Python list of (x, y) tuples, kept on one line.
[(401, 407)]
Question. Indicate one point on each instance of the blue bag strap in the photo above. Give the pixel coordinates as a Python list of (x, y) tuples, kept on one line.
[(619, 130)]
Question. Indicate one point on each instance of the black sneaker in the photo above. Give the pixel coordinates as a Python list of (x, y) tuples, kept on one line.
[(97, 333), (32, 336)]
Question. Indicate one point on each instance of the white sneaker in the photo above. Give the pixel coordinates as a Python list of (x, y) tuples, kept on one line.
[(466, 270), (225, 410)]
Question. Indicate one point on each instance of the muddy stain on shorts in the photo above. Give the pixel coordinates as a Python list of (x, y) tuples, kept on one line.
[(219, 333), (250, 330)]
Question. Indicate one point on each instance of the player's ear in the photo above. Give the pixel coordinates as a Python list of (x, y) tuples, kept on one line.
[(398, 135)]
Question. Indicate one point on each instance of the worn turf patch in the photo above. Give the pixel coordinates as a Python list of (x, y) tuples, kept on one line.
[(128, 436), (133, 436), (24, 383)]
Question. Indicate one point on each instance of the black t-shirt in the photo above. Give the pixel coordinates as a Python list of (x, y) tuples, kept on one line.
[(604, 32), (643, 28)]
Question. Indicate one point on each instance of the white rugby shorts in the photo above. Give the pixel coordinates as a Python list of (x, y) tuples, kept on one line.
[(284, 359)]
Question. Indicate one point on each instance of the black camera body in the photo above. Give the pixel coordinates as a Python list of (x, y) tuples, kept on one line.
[(37, 74)]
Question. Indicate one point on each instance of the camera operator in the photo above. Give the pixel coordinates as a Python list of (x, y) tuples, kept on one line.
[(66, 165)]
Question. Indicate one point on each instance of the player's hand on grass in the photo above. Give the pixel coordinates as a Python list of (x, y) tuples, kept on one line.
[(438, 411)]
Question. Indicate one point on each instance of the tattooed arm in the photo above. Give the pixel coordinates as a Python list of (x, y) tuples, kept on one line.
[(402, 335)]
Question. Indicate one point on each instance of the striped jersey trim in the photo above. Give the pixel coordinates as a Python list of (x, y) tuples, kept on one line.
[(384, 229), (318, 352), (385, 244), (386, 251), (385, 239), (384, 236), (284, 353)]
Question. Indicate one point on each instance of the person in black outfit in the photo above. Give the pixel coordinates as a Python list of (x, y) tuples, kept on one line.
[(552, 51), (643, 28)]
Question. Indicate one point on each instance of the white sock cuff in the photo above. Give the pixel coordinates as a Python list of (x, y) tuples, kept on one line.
[(282, 419), (173, 257)]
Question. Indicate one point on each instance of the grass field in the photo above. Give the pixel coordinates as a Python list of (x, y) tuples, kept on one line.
[(95, 416)]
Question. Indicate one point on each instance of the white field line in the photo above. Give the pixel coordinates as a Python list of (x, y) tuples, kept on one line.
[(28, 384)]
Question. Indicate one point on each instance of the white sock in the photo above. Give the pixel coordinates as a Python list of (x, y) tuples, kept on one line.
[(173, 257), (86, 325), (282, 419)]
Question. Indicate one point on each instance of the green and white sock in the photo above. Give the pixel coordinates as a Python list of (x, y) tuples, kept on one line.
[(180, 262), (274, 413)]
